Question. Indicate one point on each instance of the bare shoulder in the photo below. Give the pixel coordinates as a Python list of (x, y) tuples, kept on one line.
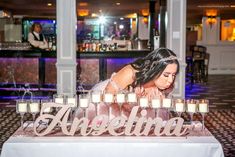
[(124, 77)]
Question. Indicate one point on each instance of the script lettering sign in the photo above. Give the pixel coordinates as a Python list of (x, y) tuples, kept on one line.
[(132, 126)]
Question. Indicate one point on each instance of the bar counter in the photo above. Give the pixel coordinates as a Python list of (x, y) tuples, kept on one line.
[(38, 66)]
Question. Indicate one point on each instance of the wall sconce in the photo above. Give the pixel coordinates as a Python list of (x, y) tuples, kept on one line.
[(211, 20), (83, 12), (145, 13)]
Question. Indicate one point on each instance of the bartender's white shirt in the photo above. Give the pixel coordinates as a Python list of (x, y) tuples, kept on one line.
[(40, 44)]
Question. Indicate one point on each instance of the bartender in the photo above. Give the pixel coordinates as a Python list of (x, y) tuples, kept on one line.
[(36, 38)]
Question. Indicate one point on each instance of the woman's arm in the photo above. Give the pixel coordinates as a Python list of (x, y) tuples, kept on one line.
[(121, 79)]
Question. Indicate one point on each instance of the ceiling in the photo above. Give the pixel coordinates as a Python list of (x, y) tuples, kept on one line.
[(195, 8)]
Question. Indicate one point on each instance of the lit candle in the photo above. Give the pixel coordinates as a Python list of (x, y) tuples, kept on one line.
[(46, 110), (120, 98), (192, 107), (156, 103), (108, 98), (59, 100), (34, 107), (143, 102), (203, 107), (179, 107), (166, 103), (83, 102), (96, 97), (72, 101), (22, 107), (131, 97)]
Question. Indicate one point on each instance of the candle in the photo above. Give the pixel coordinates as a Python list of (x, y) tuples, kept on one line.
[(192, 107), (179, 107), (96, 97), (120, 98), (143, 102), (108, 98), (156, 103), (72, 101), (22, 107), (131, 98), (203, 107), (166, 103), (83, 102), (46, 110), (34, 107), (59, 100)]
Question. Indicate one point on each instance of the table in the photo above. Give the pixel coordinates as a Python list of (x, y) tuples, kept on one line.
[(91, 146)]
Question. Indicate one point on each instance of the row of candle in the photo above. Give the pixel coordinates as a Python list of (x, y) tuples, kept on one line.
[(84, 100)]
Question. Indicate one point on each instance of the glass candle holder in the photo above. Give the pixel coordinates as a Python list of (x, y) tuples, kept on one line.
[(156, 104), (84, 100), (71, 100), (179, 106), (191, 108), (34, 108), (21, 108), (132, 98), (108, 100), (59, 98), (167, 104), (96, 98), (203, 108), (120, 99)]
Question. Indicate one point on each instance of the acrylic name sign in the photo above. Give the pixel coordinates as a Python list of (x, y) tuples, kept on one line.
[(133, 126)]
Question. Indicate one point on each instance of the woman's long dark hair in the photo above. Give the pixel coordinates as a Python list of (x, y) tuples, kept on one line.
[(152, 65)]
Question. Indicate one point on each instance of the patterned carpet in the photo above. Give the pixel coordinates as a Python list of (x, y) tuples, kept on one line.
[(220, 90)]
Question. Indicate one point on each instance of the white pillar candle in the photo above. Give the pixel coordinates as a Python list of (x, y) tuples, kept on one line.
[(34, 107), (120, 98), (166, 103), (72, 101), (131, 97), (59, 100), (203, 107), (192, 107), (143, 102), (108, 98), (156, 103), (83, 102), (22, 107), (96, 97), (179, 107)]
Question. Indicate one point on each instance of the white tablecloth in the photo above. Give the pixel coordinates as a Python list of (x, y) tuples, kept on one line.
[(203, 146)]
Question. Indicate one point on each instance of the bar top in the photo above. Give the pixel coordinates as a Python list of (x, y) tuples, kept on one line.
[(52, 54)]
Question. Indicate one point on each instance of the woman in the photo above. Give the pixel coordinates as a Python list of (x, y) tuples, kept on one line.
[(153, 75), (36, 38)]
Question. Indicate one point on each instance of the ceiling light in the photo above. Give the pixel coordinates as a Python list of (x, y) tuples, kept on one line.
[(118, 3), (121, 18), (49, 4), (232, 6)]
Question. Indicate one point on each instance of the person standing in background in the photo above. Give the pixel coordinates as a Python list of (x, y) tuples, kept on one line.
[(36, 38)]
